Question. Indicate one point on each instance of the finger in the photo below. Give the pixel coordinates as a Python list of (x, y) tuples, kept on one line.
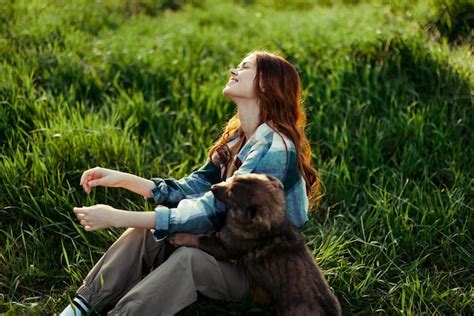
[(77, 209), (88, 187), (83, 210), (171, 240), (89, 176), (94, 183), (83, 176), (88, 228), (86, 175), (84, 222)]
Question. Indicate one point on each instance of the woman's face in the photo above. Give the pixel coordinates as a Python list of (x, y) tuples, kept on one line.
[(241, 82)]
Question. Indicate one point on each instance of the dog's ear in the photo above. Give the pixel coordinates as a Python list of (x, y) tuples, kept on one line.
[(220, 192), (276, 181)]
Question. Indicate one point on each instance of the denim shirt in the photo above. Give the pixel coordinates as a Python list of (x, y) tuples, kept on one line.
[(198, 211)]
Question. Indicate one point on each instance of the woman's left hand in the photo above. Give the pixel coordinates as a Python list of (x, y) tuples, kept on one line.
[(97, 216)]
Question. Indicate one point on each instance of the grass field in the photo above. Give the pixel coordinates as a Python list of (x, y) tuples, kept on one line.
[(136, 86)]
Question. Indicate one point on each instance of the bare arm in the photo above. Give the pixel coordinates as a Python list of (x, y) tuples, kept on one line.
[(136, 219), (138, 185), (116, 179), (103, 216)]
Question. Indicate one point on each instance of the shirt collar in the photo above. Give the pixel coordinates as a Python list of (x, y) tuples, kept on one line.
[(260, 134), (262, 130)]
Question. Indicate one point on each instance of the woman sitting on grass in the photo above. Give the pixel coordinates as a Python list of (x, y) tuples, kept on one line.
[(141, 274)]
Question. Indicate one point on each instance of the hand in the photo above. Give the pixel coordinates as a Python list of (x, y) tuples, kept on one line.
[(97, 216), (183, 239), (101, 177)]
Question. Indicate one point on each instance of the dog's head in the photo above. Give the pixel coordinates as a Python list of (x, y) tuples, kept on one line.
[(256, 201)]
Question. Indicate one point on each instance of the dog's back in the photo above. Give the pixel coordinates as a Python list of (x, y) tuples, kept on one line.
[(283, 266)]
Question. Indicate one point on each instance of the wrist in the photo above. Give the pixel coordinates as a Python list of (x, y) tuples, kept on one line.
[(126, 180), (134, 219), (120, 218), (138, 185)]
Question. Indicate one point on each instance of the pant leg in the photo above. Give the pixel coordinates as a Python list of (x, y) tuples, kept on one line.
[(174, 284), (130, 257)]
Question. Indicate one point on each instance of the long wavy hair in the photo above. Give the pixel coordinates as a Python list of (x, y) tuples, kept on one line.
[(281, 108)]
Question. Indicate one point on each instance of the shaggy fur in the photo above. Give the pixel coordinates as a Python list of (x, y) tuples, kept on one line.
[(271, 250)]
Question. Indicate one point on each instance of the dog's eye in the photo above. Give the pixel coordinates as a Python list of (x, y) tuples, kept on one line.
[(252, 210)]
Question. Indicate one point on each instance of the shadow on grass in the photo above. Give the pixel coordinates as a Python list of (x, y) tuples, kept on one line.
[(208, 306)]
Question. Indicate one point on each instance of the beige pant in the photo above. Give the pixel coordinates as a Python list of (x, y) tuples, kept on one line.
[(140, 276)]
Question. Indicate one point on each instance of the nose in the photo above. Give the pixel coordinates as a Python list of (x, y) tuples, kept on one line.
[(233, 71)]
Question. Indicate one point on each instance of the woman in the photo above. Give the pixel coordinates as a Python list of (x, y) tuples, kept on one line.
[(140, 274)]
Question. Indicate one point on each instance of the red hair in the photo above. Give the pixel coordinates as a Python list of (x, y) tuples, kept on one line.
[(281, 108)]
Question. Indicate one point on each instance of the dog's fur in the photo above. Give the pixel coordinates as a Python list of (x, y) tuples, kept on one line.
[(271, 250)]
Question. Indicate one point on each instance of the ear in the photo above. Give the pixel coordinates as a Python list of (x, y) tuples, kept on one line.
[(220, 192), (276, 181)]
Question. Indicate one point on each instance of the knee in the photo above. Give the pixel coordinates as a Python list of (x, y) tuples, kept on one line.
[(135, 234), (188, 252), (188, 255)]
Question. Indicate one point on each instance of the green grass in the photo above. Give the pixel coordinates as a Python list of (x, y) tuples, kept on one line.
[(131, 86)]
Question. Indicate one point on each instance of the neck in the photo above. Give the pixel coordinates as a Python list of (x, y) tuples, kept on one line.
[(249, 115)]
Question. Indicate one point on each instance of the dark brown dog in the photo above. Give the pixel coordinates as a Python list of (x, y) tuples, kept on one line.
[(271, 250)]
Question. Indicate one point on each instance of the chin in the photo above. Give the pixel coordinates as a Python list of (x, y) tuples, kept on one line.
[(227, 93), (235, 94)]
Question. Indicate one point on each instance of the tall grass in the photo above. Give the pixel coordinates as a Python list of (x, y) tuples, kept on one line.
[(131, 86)]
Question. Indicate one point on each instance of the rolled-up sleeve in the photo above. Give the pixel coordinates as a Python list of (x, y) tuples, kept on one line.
[(202, 214), (195, 216), (172, 191), (198, 211)]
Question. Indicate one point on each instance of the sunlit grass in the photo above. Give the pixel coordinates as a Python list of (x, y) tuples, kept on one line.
[(129, 86)]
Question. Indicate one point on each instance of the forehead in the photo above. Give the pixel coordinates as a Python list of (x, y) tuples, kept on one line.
[(249, 59)]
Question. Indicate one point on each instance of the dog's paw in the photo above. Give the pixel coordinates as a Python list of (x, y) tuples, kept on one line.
[(182, 239)]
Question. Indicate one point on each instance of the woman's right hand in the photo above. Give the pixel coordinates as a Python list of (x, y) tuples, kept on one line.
[(101, 177)]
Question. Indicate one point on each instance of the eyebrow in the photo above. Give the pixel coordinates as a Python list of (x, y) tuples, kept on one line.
[(247, 62)]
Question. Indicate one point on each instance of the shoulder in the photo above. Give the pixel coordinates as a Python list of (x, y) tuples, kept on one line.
[(279, 148), (281, 143), (273, 140), (280, 158), (275, 153)]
